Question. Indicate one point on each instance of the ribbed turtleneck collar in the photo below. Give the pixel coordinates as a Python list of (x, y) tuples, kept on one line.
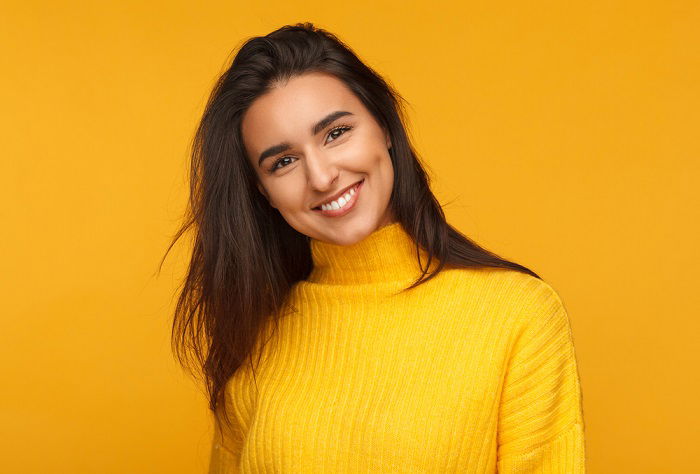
[(386, 255)]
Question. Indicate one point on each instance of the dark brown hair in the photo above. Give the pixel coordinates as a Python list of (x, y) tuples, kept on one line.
[(245, 256)]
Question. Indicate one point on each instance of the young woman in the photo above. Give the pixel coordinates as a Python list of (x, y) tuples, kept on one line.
[(341, 324)]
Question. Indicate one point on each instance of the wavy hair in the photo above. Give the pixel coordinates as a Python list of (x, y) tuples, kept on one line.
[(245, 257)]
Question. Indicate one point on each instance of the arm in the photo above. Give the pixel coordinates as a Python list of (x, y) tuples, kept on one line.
[(541, 428), (224, 456)]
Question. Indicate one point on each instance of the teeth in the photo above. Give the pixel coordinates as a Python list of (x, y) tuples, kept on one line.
[(342, 201)]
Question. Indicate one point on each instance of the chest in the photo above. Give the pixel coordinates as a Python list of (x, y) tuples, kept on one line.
[(402, 391)]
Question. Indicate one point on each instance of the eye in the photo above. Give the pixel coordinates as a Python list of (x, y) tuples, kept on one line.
[(341, 129), (274, 167)]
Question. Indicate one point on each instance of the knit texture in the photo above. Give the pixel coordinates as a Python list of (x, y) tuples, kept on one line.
[(471, 372)]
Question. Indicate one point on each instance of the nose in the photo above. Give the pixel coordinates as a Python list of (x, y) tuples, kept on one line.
[(321, 171)]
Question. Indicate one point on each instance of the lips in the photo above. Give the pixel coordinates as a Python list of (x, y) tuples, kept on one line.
[(338, 194), (347, 207)]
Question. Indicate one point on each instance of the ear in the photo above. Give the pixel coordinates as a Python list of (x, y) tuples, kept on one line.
[(264, 193), (388, 139)]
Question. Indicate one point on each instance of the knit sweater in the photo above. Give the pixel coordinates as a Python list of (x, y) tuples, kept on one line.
[(471, 372)]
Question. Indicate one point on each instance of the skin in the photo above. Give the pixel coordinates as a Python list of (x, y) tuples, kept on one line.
[(318, 166)]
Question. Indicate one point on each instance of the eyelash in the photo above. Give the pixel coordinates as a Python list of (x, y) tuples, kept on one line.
[(345, 128)]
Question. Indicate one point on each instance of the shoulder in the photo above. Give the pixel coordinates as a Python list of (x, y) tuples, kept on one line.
[(525, 309), (504, 283), (536, 311), (520, 297)]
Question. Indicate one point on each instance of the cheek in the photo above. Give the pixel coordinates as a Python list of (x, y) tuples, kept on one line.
[(383, 163), (287, 193), (386, 173), (369, 157)]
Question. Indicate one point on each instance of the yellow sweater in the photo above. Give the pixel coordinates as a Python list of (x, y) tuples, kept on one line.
[(472, 372)]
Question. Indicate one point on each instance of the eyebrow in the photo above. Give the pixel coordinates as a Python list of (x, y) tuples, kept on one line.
[(320, 125)]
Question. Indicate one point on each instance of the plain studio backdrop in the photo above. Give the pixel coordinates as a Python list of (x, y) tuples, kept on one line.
[(562, 135)]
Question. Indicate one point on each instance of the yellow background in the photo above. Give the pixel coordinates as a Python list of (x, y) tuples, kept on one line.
[(562, 135)]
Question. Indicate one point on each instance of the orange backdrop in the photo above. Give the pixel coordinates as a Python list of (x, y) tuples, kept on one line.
[(562, 135)]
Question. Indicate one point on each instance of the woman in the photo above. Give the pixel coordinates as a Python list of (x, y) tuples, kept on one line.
[(384, 340)]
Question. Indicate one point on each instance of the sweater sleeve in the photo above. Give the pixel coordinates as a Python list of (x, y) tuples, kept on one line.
[(540, 423), (225, 450)]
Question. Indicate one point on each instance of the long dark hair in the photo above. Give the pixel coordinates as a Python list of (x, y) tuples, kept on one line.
[(245, 256)]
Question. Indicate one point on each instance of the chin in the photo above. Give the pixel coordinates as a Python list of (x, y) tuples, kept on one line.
[(350, 232)]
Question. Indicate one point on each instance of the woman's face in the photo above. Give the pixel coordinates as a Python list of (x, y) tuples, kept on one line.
[(316, 139)]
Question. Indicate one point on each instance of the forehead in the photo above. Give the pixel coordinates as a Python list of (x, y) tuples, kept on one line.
[(288, 111)]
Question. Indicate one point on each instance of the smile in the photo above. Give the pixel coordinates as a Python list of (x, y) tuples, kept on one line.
[(342, 205)]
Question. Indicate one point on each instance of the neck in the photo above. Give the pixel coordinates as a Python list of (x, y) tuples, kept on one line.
[(386, 255)]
